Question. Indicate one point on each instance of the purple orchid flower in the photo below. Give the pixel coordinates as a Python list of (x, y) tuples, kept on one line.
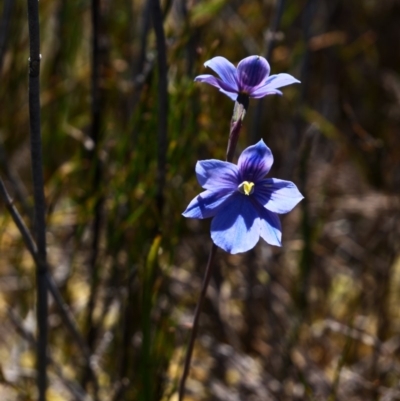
[(250, 79), (243, 204)]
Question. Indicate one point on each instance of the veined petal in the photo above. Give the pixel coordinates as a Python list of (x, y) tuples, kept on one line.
[(264, 91), (225, 69), (280, 80), (210, 79), (270, 227), (278, 196), (255, 162), (231, 95), (207, 204), (272, 84), (251, 72), (236, 227), (216, 174)]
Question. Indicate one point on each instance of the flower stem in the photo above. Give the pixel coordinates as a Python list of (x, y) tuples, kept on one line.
[(199, 307), (239, 112), (236, 124), (38, 194)]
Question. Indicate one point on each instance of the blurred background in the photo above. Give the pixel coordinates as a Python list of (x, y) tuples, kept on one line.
[(317, 319)]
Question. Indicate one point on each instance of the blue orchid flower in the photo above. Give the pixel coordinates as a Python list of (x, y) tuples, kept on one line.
[(243, 204), (250, 79)]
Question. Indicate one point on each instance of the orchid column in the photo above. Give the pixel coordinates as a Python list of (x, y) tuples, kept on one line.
[(243, 204)]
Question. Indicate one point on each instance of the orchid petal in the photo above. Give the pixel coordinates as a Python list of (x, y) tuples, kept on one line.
[(280, 80), (213, 174), (210, 79), (270, 227), (236, 227), (270, 86), (231, 95), (278, 196), (264, 91), (255, 162), (207, 204), (251, 72), (225, 69)]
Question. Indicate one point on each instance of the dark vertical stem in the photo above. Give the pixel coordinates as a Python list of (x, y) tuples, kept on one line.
[(95, 17), (126, 329), (162, 101), (95, 135), (95, 156), (306, 255), (305, 263), (271, 38), (197, 312), (142, 68), (274, 27), (193, 35), (38, 194), (239, 113), (145, 27), (147, 368)]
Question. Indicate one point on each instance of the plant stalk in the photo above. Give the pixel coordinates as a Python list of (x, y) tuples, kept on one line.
[(239, 113), (195, 327), (38, 194)]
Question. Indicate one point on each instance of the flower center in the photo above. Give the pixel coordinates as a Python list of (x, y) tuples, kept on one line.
[(246, 187)]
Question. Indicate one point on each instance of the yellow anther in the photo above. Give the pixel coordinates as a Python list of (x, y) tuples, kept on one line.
[(246, 187)]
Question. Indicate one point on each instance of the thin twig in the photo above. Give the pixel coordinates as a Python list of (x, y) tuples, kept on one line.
[(68, 319), (162, 101), (23, 229), (38, 194), (18, 186), (66, 314), (75, 389)]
